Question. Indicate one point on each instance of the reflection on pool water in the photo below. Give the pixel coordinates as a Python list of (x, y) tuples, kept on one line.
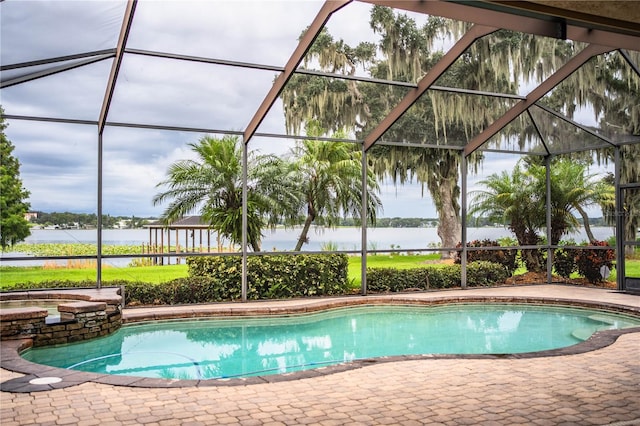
[(241, 347)]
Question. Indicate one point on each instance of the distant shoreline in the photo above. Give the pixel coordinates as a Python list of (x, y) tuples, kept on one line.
[(282, 238)]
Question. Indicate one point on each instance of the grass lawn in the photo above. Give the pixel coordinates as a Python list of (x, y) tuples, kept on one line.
[(631, 268), (153, 274), (387, 261), (10, 276)]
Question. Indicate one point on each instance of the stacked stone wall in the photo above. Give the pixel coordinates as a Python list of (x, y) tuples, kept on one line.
[(20, 323), (78, 321)]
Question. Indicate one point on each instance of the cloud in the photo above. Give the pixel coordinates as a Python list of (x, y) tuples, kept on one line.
[(179, 93), (46, 29), (59, 161), (58, 164), (249, 31), (408, 200), (74, 94), (131, 175)]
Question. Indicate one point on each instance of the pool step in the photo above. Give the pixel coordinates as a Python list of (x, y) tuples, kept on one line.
[(583, 333), (602, 319)]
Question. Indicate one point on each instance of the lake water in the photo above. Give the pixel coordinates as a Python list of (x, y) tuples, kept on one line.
[(285, 239)]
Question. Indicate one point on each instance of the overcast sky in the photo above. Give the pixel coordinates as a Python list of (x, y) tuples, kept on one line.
[(59, 161)]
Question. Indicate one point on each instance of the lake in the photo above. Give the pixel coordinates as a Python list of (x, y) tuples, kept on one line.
[(347, 238), (281, 239)]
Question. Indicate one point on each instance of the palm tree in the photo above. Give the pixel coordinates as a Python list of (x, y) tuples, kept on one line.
[(630, 173), (212, 184), (406, 52), (610, 86), (519, 199), (510, 199), (620, 104), (329, 175), (572, 190)]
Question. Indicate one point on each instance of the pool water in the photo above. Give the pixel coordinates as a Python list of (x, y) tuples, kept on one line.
[(242, 347)]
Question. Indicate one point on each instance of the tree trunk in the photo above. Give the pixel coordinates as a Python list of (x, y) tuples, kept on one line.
[(631, 221), (449, 228), (630, 235), (305, 230), (255, 244), (532, 258), (587, 226)]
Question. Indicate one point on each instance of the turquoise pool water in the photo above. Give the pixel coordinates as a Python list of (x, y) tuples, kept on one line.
[(242, 347)]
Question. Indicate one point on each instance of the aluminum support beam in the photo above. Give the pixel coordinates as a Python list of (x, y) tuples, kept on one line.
[(575, 124), (633, 65), (463, 219), (539, 133), (573, 17), (547, 171), (106, 102), (475, 15), (328, 8), (406, 84), (203, 60), (54, 70), (115, 67), (427, 81), (50, 119), (176, 128), (245, 220), (65, 58), (602, 38), (537, 93), (509, 21), (619, 222), (363, 224), (99, 214)]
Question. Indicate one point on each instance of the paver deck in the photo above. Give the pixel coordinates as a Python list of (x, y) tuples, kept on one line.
[(595, 387)]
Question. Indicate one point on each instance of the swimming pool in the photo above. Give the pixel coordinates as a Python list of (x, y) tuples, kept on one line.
[(244, 347)]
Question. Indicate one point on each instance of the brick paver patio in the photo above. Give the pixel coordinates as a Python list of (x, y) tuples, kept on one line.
[(595, 387)]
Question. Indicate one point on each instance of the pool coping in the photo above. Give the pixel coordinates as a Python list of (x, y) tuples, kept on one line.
[(11, 360)]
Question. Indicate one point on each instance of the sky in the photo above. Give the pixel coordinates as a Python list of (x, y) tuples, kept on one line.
[(59, 162)]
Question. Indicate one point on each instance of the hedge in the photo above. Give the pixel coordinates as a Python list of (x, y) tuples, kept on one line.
[(564, 262), (587, 262), (590, 261), (278, 276), (505, 257), (282, 276), (479, 273)]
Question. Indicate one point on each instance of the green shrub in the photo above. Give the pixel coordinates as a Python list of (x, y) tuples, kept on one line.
[(505, 257), (480, 273), (181, 291), (276, 277), (445, 277), (141, 293), (392, 280), (201, 290), (564, 262), (483, 273), (589, 261)]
